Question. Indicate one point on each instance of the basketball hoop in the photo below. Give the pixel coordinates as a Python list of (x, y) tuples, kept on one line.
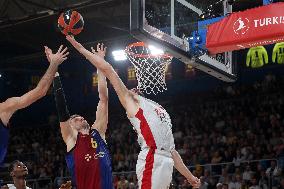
[(150, 66)]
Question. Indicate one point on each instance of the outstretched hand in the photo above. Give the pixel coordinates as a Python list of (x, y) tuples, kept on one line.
[(58, 57), (67, 185), (101, 50), (74, 42)]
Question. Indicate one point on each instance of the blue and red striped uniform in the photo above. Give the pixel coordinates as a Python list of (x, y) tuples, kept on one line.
[(4, 137), (89, 162)]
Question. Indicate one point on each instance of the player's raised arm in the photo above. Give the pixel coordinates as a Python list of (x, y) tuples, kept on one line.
[(68, 134), (180, 166), (102, 108), (13, 104), (124, 95)]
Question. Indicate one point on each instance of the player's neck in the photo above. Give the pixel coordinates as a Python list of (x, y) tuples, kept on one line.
[(20, 183)]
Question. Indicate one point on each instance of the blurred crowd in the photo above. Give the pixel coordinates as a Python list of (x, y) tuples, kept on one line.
[(221, 135)]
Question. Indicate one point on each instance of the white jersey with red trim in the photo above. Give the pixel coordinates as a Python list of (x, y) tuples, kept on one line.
[(153, 126)]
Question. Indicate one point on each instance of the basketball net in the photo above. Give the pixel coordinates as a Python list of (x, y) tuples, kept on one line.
[(150, 67)]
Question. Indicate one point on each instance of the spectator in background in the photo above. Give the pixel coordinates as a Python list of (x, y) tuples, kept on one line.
[(279, 150), (206, 176), (212, 183), (234, 184), (273, 170), (254, 184), (225, 186), (132, 182), (239, 181), (263, 181), (247, 174), (219, 186), (203, 185), (245, 185), (273, 173), (238, 159), (224, 178), (122, 183), (216, 159)]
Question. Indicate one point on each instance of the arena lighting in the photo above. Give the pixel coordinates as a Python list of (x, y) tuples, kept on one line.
[(155, 51), (119, 55)]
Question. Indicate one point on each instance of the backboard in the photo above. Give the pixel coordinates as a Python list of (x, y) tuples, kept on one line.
[(169, 24)]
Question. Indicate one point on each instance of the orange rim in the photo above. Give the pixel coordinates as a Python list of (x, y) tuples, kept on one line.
[(142, 44)]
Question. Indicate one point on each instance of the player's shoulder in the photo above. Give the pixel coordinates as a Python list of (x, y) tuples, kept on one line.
[(94, 132)]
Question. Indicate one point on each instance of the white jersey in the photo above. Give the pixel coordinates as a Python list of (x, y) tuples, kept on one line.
[(153, 126), (12, 186)]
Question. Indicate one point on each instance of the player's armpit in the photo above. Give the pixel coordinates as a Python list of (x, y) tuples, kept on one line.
[(132, 105), (126, 98), (68, 134)]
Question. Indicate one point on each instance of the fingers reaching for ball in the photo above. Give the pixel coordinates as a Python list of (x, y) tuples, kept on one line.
[(101, 50), (58, 57)]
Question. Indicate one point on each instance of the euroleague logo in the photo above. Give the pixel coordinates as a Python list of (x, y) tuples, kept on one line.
[(241, 26)]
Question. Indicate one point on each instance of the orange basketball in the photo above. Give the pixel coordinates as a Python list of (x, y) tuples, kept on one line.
[(70, 23)]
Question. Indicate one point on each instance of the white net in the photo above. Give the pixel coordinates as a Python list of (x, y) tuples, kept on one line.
[(150, 67)]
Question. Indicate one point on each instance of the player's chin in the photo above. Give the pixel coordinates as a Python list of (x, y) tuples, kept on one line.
[(25, 173)]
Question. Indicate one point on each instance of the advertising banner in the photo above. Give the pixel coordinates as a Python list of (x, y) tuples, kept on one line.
[(254, 27)]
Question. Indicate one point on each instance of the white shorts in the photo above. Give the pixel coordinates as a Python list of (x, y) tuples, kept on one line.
[(154, 169)]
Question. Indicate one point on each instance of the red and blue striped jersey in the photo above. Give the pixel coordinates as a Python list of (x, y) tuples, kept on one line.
[(89, 162)]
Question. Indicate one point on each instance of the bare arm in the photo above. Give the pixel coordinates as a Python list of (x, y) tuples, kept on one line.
[(102, 108), (180, 166), (125, 97), (13, 104)]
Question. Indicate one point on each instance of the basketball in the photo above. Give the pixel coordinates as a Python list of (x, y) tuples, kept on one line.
[(70, 23)]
